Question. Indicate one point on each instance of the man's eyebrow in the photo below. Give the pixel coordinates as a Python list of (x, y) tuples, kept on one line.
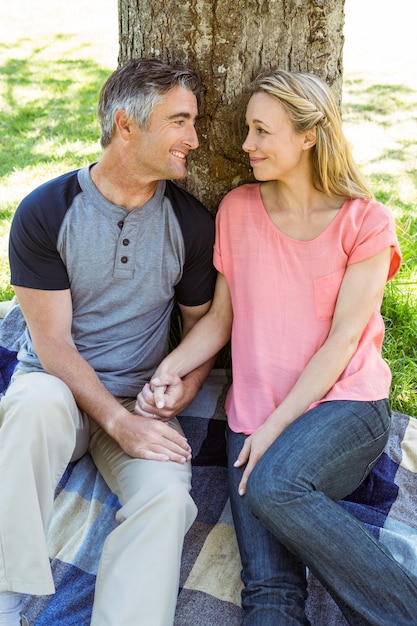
[(174, 115)]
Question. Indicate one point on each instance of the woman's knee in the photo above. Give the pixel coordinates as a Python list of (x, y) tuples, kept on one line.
[(258, 490), (273, 485)]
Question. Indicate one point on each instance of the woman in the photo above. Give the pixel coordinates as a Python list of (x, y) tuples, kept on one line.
[(303, 257)]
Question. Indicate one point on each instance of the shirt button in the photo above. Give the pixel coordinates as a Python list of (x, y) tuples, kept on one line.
[(124, 259), (120, 224), (126, 242)]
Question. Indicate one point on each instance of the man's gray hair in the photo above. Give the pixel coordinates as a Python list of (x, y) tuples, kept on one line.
[(137, 87)]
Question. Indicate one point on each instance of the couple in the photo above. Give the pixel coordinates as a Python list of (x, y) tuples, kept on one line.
[(99, 256)]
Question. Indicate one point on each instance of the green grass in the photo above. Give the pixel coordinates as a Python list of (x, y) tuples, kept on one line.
[(48, 126), (400, 314), (388, 111)]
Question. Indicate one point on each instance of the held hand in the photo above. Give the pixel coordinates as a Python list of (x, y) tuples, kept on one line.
[(254, 447), (151, 439), (146, 402), (169, 391), (164, 397)]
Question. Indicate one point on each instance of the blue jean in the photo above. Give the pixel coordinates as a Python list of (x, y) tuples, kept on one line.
[(290, 519)]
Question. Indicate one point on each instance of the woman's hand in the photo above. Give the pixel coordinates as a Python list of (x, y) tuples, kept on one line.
[(165, 396), (254, 447)]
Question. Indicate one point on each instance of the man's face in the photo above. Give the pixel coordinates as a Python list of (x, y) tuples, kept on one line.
[(162, 147)]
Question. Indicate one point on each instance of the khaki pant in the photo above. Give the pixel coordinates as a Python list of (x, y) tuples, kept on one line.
[(41, 431)]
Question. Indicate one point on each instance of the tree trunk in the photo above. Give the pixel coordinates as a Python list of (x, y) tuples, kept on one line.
[(228, 42)]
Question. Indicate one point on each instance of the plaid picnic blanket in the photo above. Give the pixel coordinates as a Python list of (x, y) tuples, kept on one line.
[(210, 585)]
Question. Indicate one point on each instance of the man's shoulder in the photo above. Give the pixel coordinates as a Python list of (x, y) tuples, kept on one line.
[(56, 191)]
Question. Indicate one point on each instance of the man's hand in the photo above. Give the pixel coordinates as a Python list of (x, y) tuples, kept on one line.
[(164, 397), (146, 438)]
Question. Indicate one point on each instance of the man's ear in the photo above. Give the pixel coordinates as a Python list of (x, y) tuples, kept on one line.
[(123, 123), (310, 138)]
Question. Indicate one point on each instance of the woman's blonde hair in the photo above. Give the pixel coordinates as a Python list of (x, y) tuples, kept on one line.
[(310, 103)]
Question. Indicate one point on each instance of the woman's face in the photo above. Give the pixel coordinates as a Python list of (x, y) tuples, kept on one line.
[(275, 149)]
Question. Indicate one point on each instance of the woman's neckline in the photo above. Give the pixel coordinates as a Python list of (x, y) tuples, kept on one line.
[(303, 239)]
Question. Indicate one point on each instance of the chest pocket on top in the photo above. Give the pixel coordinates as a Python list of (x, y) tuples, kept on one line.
[(326, 290)]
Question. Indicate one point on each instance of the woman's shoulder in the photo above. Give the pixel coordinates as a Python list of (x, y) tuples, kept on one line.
[(248, 190), (240, 207), (365, 206), (363, 213)]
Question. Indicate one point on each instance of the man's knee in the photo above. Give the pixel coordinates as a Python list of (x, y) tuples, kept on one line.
[(36, 385), (171, 502), (39, 401), (180, 502)]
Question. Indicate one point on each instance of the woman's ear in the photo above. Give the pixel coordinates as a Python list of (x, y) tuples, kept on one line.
[(310, 138)]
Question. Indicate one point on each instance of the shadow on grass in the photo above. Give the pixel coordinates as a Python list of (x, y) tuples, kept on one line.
[(48, 111), (48, 121), (386, 188), (377, 103), (392, 108)]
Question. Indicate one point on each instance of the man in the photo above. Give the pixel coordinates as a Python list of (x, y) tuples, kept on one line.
[(98, 257)]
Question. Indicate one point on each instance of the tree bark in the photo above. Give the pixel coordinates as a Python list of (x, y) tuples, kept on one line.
[(228, 42)]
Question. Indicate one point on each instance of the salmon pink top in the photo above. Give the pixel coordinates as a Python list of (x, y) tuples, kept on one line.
[(284, 293)]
